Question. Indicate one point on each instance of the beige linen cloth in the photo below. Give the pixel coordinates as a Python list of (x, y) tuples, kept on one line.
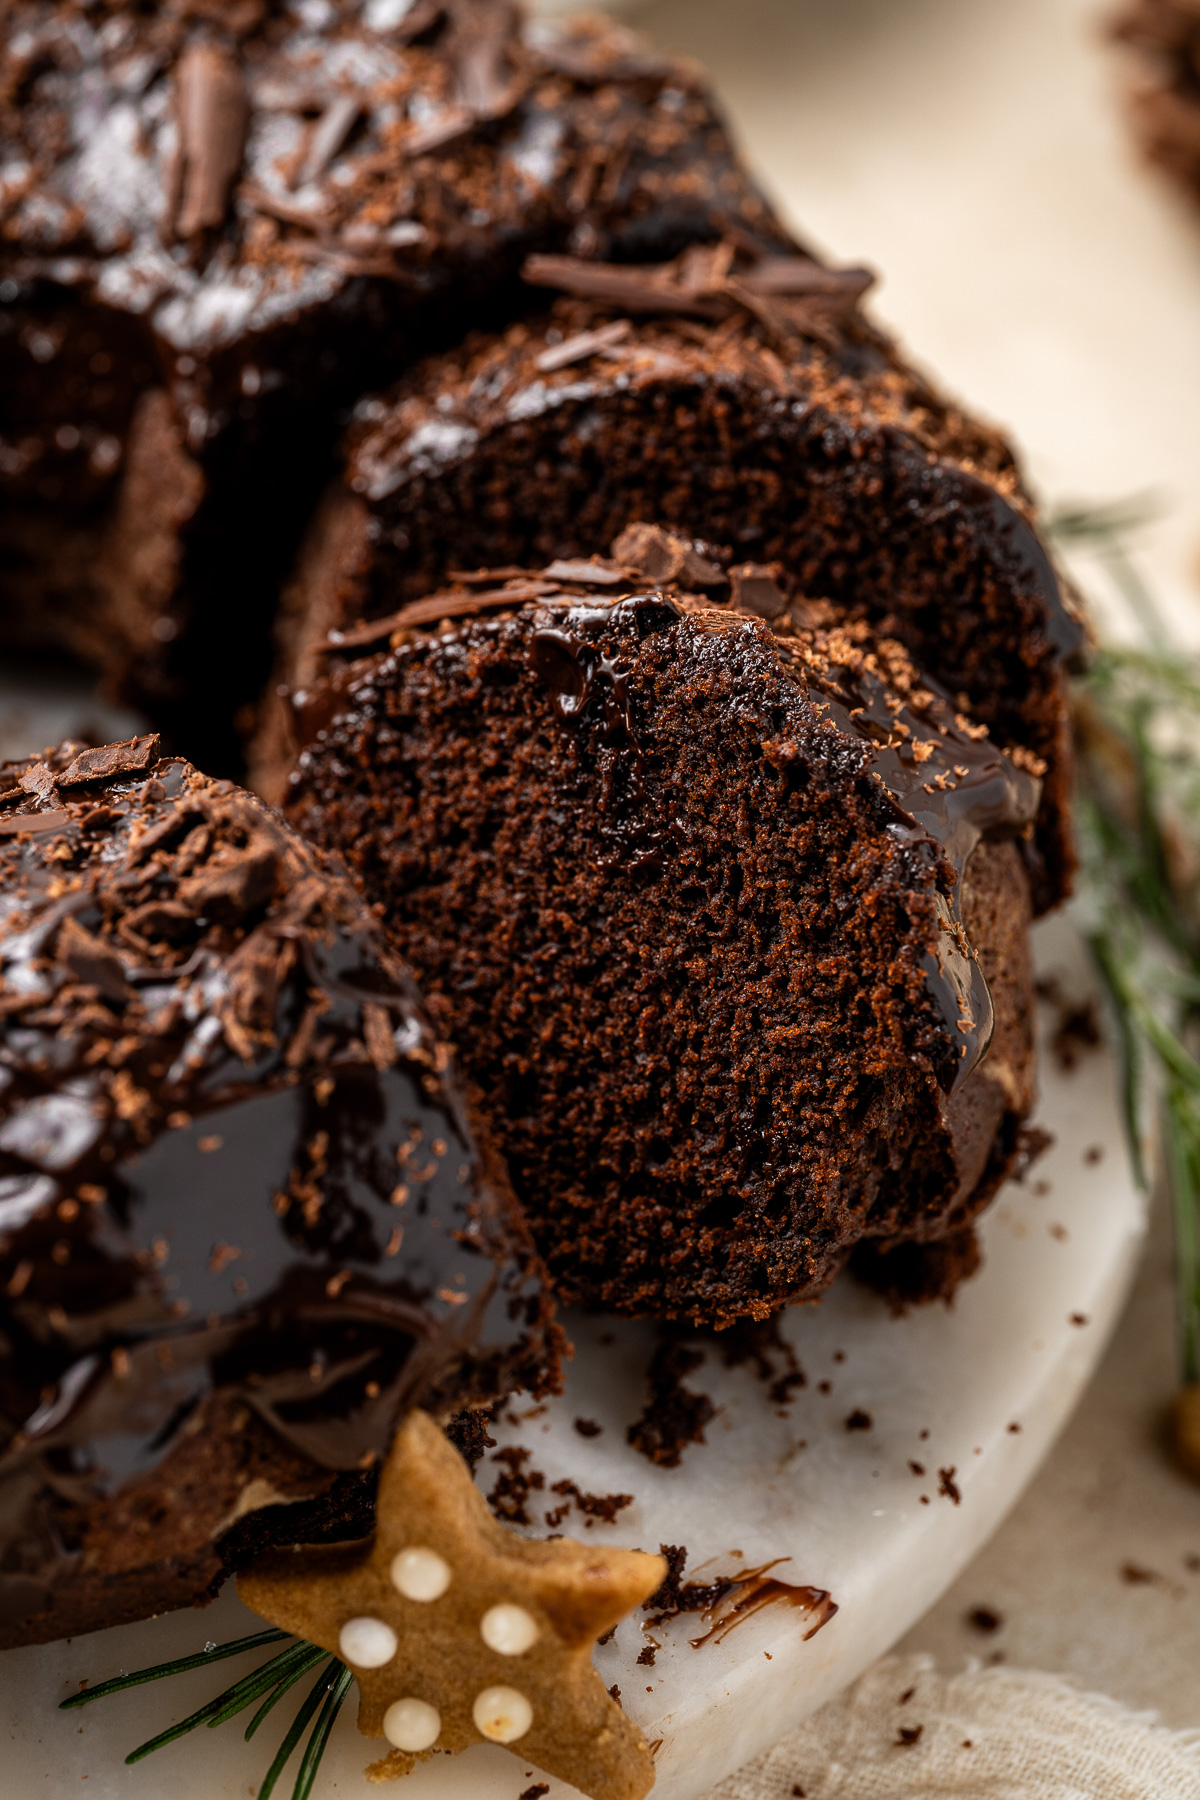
[(906, 1732)]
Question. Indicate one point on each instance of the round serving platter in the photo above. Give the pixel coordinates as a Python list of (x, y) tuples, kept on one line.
[(876, 1483)]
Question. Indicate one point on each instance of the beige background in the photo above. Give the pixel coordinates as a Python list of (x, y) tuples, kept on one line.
[(973, 151)]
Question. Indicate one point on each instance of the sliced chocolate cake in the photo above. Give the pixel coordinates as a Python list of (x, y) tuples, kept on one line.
[(710, 892), (220, 223), (246, 1221), (750, 393)]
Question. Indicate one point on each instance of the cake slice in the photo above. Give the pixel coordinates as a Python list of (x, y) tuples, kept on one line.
[(749, 392), (220, 225), (720, 900), (247, 1219)]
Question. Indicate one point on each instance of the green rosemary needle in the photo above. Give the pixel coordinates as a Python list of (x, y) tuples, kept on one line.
[(180, 1666)]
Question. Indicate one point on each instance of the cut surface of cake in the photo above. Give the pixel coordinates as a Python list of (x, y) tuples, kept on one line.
[(726, 916), (246, 1220), (224, 223), (751, 393)]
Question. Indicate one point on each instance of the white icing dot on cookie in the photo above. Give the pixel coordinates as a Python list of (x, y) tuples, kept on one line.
[(412, 1724), (367, 1643), (420, 1574), (508, 1629), (502, 1714)]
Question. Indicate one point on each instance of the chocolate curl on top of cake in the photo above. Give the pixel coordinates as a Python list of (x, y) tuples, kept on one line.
[(744, 389), (722, 903), (791, 296), (246, 1219)]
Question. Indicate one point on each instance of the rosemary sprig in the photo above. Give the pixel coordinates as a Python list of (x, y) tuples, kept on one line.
[(1137, 732), (323, 1686), (272, 1679), (180, 1666)]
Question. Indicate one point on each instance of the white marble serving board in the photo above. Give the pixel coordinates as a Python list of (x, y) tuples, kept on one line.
[(944, 1389)]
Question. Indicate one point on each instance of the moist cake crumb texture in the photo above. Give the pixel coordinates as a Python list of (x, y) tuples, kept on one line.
[(721, 918)]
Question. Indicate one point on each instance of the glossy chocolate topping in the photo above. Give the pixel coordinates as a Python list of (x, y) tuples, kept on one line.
[(219, 173), (233, 1159)]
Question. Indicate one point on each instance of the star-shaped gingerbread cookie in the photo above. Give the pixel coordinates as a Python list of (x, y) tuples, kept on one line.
[(460, 1631)]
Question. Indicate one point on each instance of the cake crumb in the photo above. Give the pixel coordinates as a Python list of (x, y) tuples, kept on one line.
[(514, 1484), (761, 1343), (674, 1416), (604, 1507)]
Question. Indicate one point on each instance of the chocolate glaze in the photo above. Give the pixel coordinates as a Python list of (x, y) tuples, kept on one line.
[(726, 1601), (233, 1159)]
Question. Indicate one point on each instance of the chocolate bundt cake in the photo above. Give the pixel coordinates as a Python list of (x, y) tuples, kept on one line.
[(710, 892), (1164, 103), (221, 223), (748, 392), (245, 1219)]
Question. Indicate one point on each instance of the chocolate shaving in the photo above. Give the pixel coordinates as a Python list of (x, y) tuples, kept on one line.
[(329, 255), (589, 574), (328, 135), (47, 821), (582, 345), (801, 275), (213, 110), (754, 588), (790, 296), (438, 132), (433, 608), (91, 961), (479, 45), (421, 16), (489, 577), (233, 888), (276, 207), (638, 289), (592, 61), (665, 557), (127, 758), (38, 781)]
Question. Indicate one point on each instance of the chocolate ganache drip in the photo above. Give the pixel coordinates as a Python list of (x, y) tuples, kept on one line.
[(233, 1159)]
